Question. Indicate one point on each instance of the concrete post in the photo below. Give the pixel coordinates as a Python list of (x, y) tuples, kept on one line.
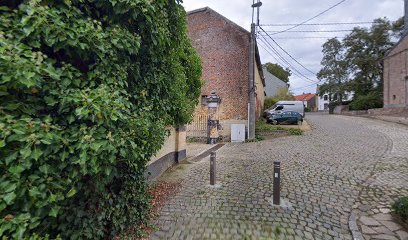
[(251, 85)]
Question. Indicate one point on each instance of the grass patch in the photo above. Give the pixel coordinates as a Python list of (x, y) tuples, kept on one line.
[(263, 128), (400, 207)]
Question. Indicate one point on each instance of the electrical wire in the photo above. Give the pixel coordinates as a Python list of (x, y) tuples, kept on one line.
[(290, 66), (314, 24), (307, 69), (276, 38), (310, 19), (294, 73), (279, 62), (313, 31), (303, 87)]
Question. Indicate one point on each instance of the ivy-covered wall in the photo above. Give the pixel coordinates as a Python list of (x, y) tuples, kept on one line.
[(86, 90)]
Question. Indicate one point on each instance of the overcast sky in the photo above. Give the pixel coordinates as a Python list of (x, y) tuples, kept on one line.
[(306, 50)]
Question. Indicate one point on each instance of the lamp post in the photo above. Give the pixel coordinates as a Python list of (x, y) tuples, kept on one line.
[(213, 102)]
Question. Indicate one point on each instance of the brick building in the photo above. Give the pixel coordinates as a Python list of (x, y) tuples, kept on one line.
[(224, 50), (396, 75), (396, 71), (309, 100)]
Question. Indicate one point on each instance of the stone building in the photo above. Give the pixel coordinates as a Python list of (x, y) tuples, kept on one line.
[(396, 76), (224, 50), (396, 71)]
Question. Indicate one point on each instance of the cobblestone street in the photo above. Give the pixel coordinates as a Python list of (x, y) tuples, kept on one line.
[(340, 180)]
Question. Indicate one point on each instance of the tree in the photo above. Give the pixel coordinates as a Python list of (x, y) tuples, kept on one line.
[(334, 73), (277, 70), (355, 64), (282, 95), (87, 89)]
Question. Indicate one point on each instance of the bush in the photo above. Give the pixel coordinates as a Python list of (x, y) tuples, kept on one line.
[(86, 90), (283, 94), (365, 102), (400, 207), (269, 102)]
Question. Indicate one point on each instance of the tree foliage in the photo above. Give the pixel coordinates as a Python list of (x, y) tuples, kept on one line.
[(355, 64), (86, 89), (282, 95), (279, 72)]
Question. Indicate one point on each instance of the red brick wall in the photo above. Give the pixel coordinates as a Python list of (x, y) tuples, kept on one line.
[(224, 52), (395, 73)]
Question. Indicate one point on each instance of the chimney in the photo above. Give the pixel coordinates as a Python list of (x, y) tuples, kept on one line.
[(405, 17)]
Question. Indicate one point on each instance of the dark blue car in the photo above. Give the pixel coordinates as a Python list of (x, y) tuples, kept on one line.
[(287, 117)]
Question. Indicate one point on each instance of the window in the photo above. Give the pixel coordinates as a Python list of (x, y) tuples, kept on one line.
[(394, 97), (326, 97)]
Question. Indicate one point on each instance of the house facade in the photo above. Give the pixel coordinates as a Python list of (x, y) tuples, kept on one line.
[(396, 76), (224, 48), (272, 83), (309, 100)]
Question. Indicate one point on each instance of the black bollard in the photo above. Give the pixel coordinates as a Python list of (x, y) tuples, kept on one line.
[(276, 183), (212, 168)]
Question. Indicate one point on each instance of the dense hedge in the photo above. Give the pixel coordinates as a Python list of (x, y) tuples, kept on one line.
[(86, 90)]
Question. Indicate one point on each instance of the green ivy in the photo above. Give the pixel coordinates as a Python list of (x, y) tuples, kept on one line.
[(87, 88)]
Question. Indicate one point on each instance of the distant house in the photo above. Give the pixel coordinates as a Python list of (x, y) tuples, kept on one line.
[(309, 100), (224, 50), (323, 100), (272, 83), (323, 103)]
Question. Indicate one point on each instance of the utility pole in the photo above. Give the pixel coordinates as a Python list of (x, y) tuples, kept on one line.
[(251, 82), (251, 127)]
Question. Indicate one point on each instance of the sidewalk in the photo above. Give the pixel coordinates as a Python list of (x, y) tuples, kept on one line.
[(394, 119)]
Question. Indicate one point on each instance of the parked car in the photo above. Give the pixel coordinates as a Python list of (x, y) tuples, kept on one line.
[(287, 117), (281, 106)]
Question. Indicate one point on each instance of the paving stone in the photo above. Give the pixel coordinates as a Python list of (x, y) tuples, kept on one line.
[(383, 217), (367, 230), (391, 225), (382, 230), (403, 235), (384, 237), (346, 164), (369, 221)]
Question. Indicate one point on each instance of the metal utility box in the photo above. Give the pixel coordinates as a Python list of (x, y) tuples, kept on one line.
[(237, 132)]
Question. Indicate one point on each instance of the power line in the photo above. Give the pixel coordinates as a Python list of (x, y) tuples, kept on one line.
[(278, 61), (276, 38), (303, 87), (315, 24), (316, 16), (314, 31), (307, 69), (295, 70)]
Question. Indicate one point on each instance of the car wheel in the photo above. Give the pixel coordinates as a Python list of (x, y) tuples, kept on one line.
[(299, 122), (274, 122)]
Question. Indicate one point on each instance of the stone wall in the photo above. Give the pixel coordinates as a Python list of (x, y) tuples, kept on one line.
[(402, 112)]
